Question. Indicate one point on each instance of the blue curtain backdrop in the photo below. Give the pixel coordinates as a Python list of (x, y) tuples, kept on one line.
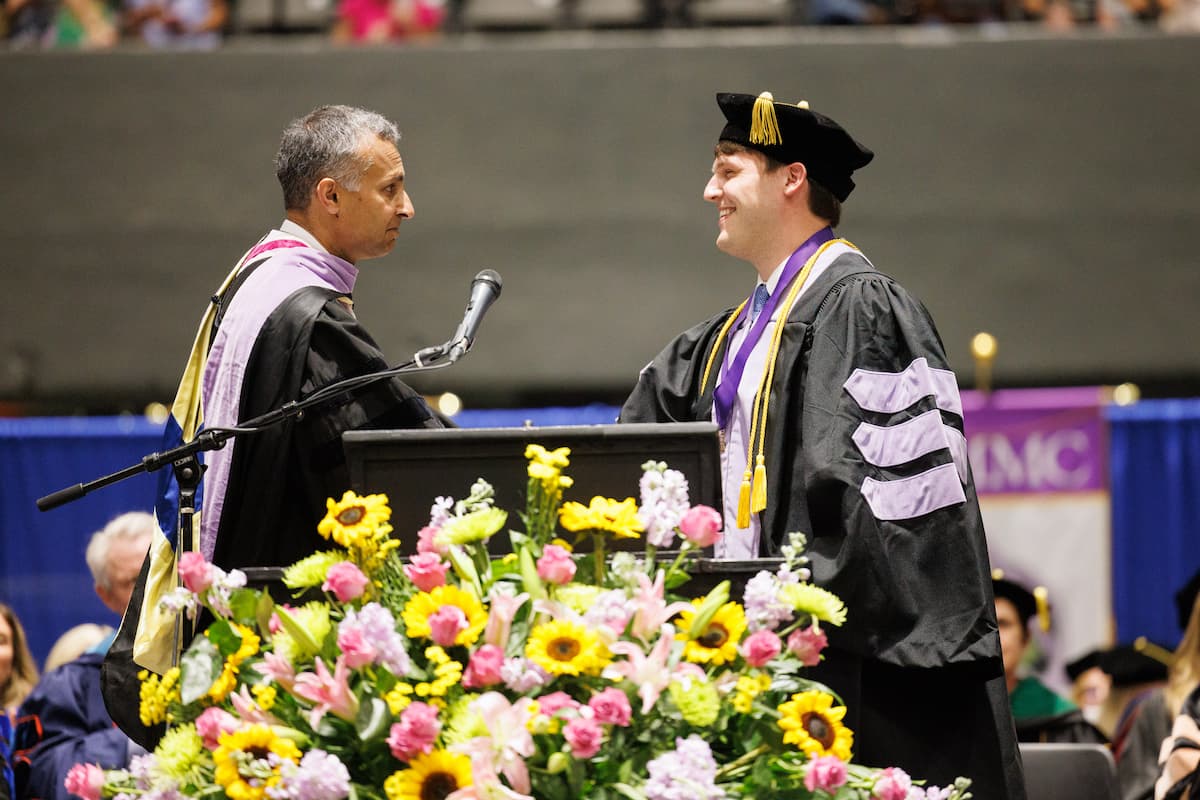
[(43, 575), (1155, 458), (1155, 480)]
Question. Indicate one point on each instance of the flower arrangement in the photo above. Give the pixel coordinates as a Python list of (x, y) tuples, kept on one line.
[(545, 674)]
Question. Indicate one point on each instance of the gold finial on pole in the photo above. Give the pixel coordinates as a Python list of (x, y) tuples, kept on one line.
[(983, 348)]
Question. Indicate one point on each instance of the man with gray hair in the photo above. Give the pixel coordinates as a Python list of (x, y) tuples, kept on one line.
[(115, 554), (284, 326)]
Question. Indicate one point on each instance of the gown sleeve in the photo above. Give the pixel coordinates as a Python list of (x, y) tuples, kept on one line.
[(668, 388)]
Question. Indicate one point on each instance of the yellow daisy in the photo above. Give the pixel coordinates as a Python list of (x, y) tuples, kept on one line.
[(430, 776), (423, 605), (812, 723), (718, 643), (242, 761), (618, 517), (562, 647), (354, 517)]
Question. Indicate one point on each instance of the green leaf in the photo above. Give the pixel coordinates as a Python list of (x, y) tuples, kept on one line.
[(222, 634), (199, 668), (374, 719), (244, 604), (264, 610), (529, 577), (294, 629), (718, 597)]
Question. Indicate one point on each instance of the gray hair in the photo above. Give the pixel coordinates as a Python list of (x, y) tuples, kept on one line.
[(130, 526), (327, 143)]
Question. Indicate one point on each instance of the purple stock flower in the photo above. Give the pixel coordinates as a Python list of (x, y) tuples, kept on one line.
[(318, 776), (688, 772), (664, 495)]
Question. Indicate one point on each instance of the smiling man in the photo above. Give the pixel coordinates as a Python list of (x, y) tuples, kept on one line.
[(840, 418)]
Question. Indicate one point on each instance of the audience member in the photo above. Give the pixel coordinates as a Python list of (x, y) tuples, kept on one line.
[(84, 24), (18, 671), (74, 643), (64, 721), (1150, 716), (375, 21), (177, 24)]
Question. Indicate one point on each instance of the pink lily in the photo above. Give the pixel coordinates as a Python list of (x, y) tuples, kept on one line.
[(329, 692), (508, 745), (648, 672), (652, 611), (504, 608), (278, 669), (248, 710)]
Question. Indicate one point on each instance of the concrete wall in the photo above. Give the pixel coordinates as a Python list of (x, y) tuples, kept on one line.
[(1046, 190)]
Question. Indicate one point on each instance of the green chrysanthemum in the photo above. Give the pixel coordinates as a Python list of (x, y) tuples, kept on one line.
[(180, 751), (815, 601), (461, 724), (314, 619), (579, 597), (473, 527), (311, 571), (697, 701)]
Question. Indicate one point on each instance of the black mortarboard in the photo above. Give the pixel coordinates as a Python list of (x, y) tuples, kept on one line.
[(1082, 664), (1185, 598), (789, 133), (1137, 663), (1027, 603)]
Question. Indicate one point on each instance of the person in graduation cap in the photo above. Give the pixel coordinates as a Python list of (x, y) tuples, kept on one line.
[(840, 418)]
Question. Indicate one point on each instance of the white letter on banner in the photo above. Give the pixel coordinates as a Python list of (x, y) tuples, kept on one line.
[(889, 392), (906, 498)]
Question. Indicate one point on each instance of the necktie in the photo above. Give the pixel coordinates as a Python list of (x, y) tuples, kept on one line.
[(760, 299)]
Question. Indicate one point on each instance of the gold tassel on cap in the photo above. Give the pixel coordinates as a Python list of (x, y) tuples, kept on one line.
[(1042, 597), (764, 127), (1151, 650)]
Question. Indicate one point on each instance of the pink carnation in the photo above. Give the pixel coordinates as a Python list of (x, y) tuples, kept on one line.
[(807, 644), (611, 707), (427, 541), (550, 703), (446, 623), (346, 581), (484, 667), (196, 573), (701, 526), (893, 783), (427, 571), (415, 732), (760, 647), (354, 646), (826, 773), (585, 736), (556, 565), (85, 780), (212, 723)]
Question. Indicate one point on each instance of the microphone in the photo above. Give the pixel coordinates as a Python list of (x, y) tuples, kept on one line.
[(484, 291)]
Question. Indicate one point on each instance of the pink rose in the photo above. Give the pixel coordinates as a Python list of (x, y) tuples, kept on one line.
[(415, 732), (85, 780), (556, 565), (584, 736), (760, 647), (611, 707), (427, 571), (346, 581), (550, 703), (212, 723), (701, 526), (355, 647), (893, 783), (826, 773), (446, 623), (195, 572), (484, 667), (427, 541), (807, 644)]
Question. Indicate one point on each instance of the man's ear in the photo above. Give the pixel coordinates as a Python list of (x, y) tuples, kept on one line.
[(796, 175), (326, 192)]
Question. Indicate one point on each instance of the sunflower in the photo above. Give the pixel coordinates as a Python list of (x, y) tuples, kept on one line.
[(562, 647), (243, 765), (603, 514), (718, 643), (815, 601), (812, 723), (430, 776), (354, 518), (423, 605)]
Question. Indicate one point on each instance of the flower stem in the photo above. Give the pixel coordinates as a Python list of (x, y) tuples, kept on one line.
[(743, 760)]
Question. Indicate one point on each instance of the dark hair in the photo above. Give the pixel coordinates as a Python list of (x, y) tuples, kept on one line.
[(327, 143), (821, 201)]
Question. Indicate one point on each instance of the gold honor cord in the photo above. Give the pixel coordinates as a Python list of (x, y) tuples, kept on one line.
[(753, 495)]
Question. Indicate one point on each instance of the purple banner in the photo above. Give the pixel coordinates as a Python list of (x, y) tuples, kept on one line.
[(1037, 440)]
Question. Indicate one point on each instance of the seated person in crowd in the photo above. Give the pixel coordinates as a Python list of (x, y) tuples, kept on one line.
[(18, 672), (64, 721), (1040, 714)]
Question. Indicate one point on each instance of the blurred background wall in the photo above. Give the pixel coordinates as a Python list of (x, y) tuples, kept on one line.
[(1044, 189)]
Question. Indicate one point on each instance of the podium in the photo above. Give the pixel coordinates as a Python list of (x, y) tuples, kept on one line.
[(415, 467)]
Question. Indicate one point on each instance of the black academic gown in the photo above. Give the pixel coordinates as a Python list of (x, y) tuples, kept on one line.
[(280, 479), (918, 661)]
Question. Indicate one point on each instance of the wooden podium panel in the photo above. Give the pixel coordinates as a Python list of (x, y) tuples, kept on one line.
[(414, 467)]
